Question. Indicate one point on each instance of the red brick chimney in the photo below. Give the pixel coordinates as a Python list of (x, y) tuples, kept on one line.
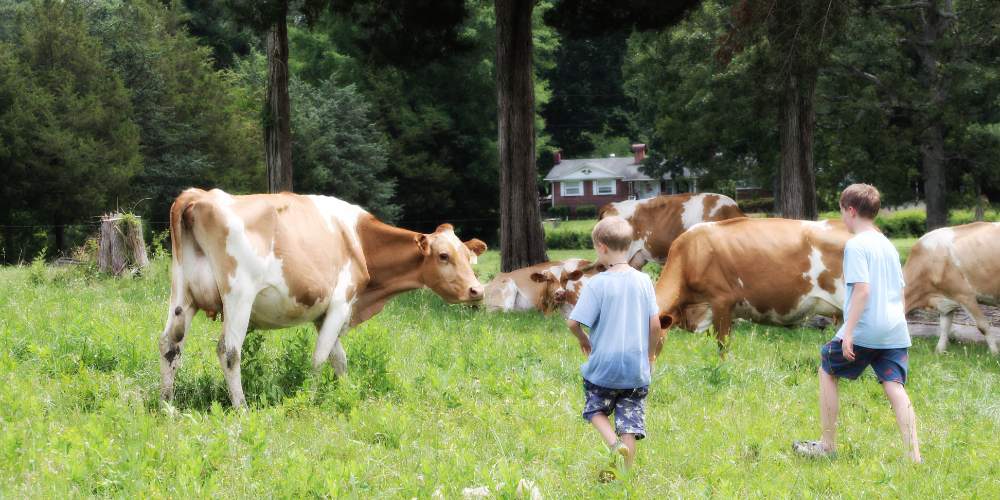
[(639, 152), (557, 157)]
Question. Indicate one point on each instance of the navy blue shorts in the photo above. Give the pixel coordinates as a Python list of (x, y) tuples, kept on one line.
[(629, 406), (889, 365)]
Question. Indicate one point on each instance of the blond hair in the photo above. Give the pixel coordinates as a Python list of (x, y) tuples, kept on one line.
[(614, 232), (862, 197)]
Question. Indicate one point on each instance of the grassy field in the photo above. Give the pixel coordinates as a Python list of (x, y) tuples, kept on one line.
[(441, 398)]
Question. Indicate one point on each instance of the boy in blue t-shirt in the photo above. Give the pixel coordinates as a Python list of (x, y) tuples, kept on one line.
[(619, 307), (874, 332)]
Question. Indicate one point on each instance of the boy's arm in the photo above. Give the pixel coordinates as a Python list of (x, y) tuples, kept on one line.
[(859, 299), (655, 338), (582, 338)]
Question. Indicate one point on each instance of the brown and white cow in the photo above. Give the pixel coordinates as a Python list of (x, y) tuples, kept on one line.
[(277, 260), (658, 221), (956, 267), (774, 271), (543, 287)]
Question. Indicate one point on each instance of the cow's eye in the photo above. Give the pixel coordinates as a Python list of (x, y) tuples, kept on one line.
[(443, 256)]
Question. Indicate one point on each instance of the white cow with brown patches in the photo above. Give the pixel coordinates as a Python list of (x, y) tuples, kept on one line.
[(543, 287), (956, 267), (278, 260), (774, 271), (657, 222)]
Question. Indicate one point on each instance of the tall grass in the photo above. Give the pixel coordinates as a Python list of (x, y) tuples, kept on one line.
[(440, 398)]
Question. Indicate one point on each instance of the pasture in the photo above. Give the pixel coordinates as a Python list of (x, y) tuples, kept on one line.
[(440, 398)]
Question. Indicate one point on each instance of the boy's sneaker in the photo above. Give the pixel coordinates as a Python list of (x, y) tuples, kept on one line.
[(812, 449), (619, 456)]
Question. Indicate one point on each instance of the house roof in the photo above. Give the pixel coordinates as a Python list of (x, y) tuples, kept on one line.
[(623, 168)]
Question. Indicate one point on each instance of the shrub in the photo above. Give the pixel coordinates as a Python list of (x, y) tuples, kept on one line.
[(557, 212), (586, 211), (758, 205), (902, 224), (567, 240)]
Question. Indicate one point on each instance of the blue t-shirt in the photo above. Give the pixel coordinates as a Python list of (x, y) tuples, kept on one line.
[(869, 257), (617, 307)]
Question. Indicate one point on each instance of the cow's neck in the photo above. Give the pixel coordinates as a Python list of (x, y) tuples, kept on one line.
[(394, 265)]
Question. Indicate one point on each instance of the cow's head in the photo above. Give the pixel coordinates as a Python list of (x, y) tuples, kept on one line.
[(552, 293), (575, 275), (562, 284), (447, 265)]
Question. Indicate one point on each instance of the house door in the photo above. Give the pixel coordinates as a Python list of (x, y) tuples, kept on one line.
[(647, 189)]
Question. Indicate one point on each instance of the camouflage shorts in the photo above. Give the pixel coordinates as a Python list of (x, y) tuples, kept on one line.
[(629, 406)]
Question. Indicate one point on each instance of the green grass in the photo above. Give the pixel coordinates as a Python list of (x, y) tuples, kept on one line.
[(446, 397)]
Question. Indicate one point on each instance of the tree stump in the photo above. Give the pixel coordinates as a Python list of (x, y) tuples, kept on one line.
[(121, 248)]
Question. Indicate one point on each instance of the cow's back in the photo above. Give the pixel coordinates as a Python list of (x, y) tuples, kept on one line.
[(776, 270), (954, 260), (658, 221), (285, 249)]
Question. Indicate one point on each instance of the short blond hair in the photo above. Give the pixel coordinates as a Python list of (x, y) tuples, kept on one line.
[(614, 232), (862, 197)]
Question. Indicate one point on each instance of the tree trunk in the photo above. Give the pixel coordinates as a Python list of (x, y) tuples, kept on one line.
[(797, 124), (933, 166), (935, 19), (277, 109), (522, 242)]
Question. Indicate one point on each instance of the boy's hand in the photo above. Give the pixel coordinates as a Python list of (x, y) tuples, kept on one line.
[(585, 345), (847, 346)]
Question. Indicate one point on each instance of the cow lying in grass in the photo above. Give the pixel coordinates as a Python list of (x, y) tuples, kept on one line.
[(773, 271), (657, 222), (956, 267), (277, 260), (543, 287)]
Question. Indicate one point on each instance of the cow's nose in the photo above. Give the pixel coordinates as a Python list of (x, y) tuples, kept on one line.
[(560, 295), (475, 292)]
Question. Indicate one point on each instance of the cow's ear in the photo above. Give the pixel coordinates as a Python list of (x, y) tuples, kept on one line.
[(444, 227), (665, 321), (538, 278), (601, 268), (476, 246), (423, 243), (575, 275)]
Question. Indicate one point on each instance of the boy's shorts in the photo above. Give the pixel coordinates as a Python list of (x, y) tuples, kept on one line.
[(629, 406), (889, 365)]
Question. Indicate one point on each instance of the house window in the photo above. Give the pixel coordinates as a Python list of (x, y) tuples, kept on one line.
[(604, 187), (571, 188)]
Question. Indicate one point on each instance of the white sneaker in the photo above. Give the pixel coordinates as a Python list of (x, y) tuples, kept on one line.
[(812, 449)]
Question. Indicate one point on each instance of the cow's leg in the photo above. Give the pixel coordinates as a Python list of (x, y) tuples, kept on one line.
[(722, 320), (236, 319), (982, 322), (944, 328), (334, 323), (171, 341)]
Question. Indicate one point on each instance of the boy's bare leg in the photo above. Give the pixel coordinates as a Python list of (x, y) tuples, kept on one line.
[(603, 425), (629, 441), (905, 417), (829, 406)]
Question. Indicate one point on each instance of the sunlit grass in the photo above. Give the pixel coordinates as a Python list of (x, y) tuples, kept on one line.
[(442, 398)]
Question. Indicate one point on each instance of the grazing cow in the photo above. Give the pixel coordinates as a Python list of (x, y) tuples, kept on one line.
[(277, 260), (544, 287), (658, 221), (956, 267), (774, 271)]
